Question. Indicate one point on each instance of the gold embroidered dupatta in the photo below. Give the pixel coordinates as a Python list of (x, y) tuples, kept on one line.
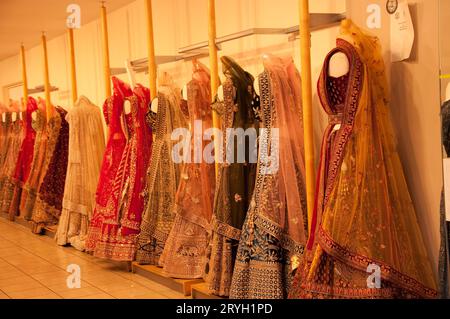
[(368, 217)]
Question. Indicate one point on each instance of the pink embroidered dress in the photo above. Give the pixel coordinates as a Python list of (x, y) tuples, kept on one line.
[(112, 111), (122, 221)]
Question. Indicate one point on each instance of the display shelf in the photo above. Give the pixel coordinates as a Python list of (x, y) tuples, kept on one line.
[(156, 274), (22, 222), (201, 291), (50, 231)]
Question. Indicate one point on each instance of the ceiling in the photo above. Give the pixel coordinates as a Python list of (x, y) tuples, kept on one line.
[(22, 21)]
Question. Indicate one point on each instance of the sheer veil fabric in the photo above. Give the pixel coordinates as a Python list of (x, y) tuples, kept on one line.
[(184, 255), (86, 147), (364, 214), (274, 233)]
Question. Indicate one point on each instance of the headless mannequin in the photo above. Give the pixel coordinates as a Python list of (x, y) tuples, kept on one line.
[(127, 107), (15, 111), (339, 65), (154, 106)]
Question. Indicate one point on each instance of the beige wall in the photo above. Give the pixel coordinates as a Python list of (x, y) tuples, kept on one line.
[(415, 106)]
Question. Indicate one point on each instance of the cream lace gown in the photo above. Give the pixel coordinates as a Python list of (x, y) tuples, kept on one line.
[(86, 147)]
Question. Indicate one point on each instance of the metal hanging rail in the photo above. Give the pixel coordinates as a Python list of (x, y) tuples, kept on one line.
[(141, 65), (41, 88), (318, 21)]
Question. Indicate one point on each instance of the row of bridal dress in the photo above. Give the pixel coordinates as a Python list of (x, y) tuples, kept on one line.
[(15, 139), (23, 165), (236, 178), (275, 230), (37, 167), (163, 175), (116, 222), (184, 254), (48, 205), (363, 216), (86, 147), (6, 141)]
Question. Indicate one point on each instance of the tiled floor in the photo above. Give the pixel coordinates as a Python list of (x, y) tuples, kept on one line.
[(34, 267)]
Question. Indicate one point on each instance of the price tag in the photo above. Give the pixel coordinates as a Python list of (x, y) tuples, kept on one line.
[(402, 32)]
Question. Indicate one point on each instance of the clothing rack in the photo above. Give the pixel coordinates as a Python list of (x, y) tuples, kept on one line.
[(152, 71), (141, 65), (41, 89), (105, 47), (24, 75), (308, 135), (214, 69), (73, 71), (47, 87)]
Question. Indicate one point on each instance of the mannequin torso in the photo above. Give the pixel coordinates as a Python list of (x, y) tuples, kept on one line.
[(339, 65)]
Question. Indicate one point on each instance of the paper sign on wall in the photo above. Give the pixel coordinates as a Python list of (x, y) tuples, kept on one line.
[(402, 32), (447, 187)]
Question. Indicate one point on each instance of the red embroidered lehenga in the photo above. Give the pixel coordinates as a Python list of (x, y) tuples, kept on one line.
[(112, 112), (37, 167), (25, 159), (363, 215), (121, 224), (184, 254)]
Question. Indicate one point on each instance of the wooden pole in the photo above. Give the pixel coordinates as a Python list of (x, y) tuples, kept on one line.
[(214, 69), (152, 72), (305, 51), (73, 70), (106, 67), (48, 102), (24, 75)]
